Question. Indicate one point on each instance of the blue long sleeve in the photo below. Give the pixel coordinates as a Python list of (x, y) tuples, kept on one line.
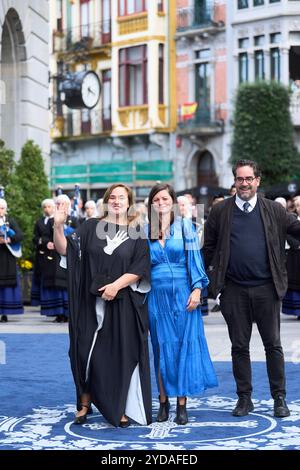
[(196, 269)]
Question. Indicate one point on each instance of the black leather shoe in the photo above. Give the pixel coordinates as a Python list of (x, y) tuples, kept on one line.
[(181, 414), (4, 318), (82, 419), (243, 407), (58, 319), (163, 412), (124, 424), (280, 407)]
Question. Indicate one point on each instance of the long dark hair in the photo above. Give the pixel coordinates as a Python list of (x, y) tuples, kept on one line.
[(155, 229)]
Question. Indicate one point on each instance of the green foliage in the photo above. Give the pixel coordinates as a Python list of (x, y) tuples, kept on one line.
[(26, 185), (6, 164), (32, 181), (263, 131)]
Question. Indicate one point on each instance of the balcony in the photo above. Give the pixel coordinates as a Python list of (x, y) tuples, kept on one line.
[(133, 23), (205, 121), (82, 38), (199, 19), (133, 118), (83, 123)]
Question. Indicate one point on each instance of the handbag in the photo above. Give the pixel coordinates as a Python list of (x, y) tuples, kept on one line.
[(101, 280)]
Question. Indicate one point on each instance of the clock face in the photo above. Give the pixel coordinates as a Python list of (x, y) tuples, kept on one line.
[(90, 89)]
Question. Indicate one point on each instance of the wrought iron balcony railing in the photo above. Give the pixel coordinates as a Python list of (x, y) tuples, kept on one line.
[(83, 123), (83, 37), (203, 119), (197, 16)]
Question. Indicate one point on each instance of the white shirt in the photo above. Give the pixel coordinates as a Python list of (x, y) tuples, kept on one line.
[(240, 203)]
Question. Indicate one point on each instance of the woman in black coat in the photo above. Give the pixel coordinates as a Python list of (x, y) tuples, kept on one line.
[(108, 272), (10, 292)]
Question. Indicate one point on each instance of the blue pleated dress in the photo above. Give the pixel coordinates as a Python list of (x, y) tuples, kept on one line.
[(178, 340)]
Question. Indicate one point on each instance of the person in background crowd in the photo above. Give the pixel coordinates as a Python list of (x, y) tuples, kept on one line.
[(216, 199), (281, 201), (90, 209), (244, 252), (109, 272), (10, 292), (99, 207), (40, 240), (182, 363), (290, 206), (54, 296), (232, 190), (291, 300)]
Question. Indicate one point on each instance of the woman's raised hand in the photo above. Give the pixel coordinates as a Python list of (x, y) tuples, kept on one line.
[(60, 214)]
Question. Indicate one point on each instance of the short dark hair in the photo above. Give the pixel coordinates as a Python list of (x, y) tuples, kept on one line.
[(252, 163)]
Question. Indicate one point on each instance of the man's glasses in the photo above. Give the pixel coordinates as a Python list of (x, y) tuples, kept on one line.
[(248, 179)]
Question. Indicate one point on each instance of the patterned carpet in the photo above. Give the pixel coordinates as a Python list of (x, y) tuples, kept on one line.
[(37, 408)]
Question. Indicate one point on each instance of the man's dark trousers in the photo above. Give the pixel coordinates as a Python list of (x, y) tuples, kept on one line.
[(241, 305)]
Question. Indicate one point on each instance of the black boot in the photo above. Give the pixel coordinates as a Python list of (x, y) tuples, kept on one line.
[(163, 412), (181, 414)]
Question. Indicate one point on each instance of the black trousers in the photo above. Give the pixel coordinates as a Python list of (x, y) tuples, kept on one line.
[(241, 305)]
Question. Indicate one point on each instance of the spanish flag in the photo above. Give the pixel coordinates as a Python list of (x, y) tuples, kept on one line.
[(188, 110)]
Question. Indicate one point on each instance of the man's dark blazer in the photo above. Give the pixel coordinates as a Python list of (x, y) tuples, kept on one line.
[(277, 224)]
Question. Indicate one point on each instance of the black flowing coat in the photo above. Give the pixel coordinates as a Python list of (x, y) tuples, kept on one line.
[(40, 240), (122, 342), (8, 263), (54, 276)]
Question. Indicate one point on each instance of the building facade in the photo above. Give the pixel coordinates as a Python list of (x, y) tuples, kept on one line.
[(24, 66), (129, 136), (202, 95), (219, 45)]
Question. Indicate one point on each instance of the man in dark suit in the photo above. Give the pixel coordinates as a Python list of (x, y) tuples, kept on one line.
[(244, 250)]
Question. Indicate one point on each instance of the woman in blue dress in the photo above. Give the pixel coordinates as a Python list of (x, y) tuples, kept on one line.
[(182, 363)]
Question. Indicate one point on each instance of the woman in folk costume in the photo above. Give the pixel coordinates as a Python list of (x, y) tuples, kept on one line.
[(181, 357), (40, 240), (108, 270), (10, 292), (54, 295)]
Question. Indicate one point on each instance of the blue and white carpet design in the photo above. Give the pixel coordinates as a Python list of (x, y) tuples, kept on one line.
[(37, 408)]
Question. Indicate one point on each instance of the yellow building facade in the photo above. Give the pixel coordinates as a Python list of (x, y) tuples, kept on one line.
[(129, 135)]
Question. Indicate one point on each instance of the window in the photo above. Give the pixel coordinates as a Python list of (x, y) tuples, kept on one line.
[(275, 38), (161, 74), (129, 7), (275, 64), (259, 40), (203, 85), (274, 1), (256, 3), (106, 99), (106, 24), (203, 54), (259, 65), (242, 4), (84, 17), (243, 67), (59, 15), (243, 43), (160, 5), (133, 76)]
